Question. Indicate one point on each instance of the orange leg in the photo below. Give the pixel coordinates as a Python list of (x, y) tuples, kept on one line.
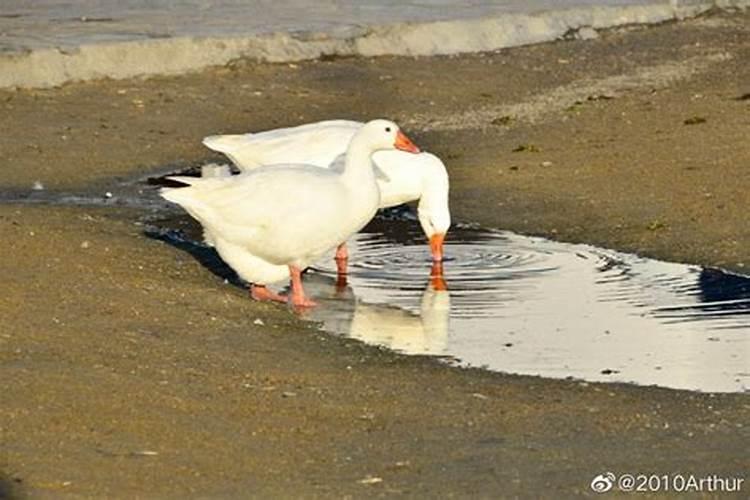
[(342, 260), (342, 253), (298, 294), (260, 292), (341, 282), (342, 256)]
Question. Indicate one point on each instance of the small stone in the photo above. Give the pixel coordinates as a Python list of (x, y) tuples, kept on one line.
[(258, 321), (371, 480), (502, 120), (546, 163), (85, 244), (587, 33), (108, 194), (656, 225), (694, 120), (38, 186), (528, 148)]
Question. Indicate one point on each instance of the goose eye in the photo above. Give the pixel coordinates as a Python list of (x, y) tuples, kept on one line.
[(387, 129)]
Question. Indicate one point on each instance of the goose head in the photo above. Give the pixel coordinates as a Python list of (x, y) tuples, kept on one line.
[(378, 135), (432, 210)]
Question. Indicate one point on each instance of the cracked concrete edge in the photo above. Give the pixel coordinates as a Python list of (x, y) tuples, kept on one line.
[(49, 67)]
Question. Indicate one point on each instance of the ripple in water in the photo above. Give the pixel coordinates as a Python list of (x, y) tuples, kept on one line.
[(532, 306)]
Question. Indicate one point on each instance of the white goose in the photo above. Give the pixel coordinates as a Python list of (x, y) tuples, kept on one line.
[(402, 177), (271, 223)]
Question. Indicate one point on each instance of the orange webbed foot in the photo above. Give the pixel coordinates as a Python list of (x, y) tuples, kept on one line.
[(262, 293)]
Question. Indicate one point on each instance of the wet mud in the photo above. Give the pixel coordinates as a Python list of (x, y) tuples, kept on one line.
[(130, 369)]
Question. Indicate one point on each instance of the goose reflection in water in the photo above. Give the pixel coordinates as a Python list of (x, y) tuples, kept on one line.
[(342, 312)]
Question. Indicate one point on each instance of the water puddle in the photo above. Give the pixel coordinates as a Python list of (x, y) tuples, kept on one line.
[(514, 304), (532, 306)]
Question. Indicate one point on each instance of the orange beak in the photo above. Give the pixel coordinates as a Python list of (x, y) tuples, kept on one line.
[(436, 277), (436, 246), (404, 143)]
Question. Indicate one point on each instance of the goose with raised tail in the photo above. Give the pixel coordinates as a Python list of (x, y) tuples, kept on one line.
[(402, 177), (271, 223)]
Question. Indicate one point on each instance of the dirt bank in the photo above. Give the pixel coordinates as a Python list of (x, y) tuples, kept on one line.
[(129, 370)]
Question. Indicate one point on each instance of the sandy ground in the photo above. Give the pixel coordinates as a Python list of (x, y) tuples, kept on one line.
[(129, 370)]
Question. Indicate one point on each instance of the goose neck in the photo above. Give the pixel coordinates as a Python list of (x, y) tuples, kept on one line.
[(358, 163)]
